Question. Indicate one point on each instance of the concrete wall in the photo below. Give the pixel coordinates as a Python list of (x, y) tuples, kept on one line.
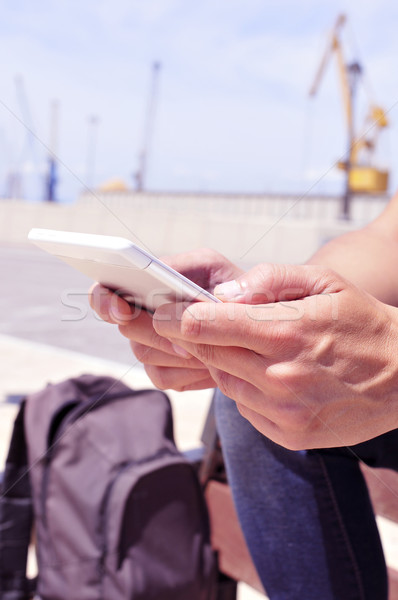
[(247, 229)]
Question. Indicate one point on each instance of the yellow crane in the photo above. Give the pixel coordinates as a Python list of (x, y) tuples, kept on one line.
[(361, 175)]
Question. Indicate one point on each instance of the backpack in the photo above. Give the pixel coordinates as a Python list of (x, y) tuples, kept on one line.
[(118, 511)]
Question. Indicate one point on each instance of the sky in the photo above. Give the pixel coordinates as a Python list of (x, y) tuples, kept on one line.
[(232, 112)]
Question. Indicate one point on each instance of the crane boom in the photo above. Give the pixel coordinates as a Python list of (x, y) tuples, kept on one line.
[(341, 19), (334, 46)]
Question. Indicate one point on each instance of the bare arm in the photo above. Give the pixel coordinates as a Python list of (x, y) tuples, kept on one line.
[(368, 257)]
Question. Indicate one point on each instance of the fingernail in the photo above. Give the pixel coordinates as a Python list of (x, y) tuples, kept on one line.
[(230, 290), (181, 351)]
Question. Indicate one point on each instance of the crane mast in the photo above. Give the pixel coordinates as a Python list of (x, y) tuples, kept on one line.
[(29, 153), (52, 167), (140, 175), (361, 176)]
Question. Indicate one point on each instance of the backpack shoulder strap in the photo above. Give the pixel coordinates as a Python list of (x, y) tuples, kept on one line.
[(15, 517)]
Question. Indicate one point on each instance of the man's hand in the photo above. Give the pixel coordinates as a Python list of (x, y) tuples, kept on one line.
[(310, 359), (168, 366)]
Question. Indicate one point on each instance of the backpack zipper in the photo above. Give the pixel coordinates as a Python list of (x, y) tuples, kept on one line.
[(103, 513)]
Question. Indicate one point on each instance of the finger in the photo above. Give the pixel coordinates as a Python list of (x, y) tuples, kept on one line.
[(276, 413), (204, 266), (204, 384), (249, 399), (292, 439), (266, 329), (277, 282), (152, 356), (265, 426), (141, 330), (242, 364), (166, 378), (109, 306)]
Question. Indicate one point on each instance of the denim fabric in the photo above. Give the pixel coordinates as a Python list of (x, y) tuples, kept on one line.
[(306, 515)]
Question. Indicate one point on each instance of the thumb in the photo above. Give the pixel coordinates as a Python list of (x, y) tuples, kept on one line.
[(267, 283)]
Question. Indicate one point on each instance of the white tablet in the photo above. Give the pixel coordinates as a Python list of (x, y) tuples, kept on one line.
[(121, 266)]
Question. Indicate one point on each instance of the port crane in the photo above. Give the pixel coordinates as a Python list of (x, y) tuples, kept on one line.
[(140, 175), (361, 174), (51, 178), (19, 179)]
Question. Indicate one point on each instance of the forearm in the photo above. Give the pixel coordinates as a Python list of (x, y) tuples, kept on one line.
[(368, 258)]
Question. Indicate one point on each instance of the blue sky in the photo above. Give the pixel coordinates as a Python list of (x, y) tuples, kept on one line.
[(233, 112)]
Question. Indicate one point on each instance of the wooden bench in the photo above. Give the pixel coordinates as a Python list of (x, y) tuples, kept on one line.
[(228, 540), (227, 537)]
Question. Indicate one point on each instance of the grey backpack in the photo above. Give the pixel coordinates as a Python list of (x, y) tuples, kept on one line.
[(118, 511)]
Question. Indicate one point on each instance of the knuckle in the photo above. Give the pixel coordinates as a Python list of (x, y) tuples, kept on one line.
[(325, 274), (281, 337), (223, 381), (271, 273), (159, 377), (205, 353), (179, 387), (191, 325), (140, 351), (166, 378), (154, 340), (288, 375), (188, 387), (278, 337), (243, 410)]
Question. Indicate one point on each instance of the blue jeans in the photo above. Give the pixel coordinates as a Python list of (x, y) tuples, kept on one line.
[(307, 517)]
